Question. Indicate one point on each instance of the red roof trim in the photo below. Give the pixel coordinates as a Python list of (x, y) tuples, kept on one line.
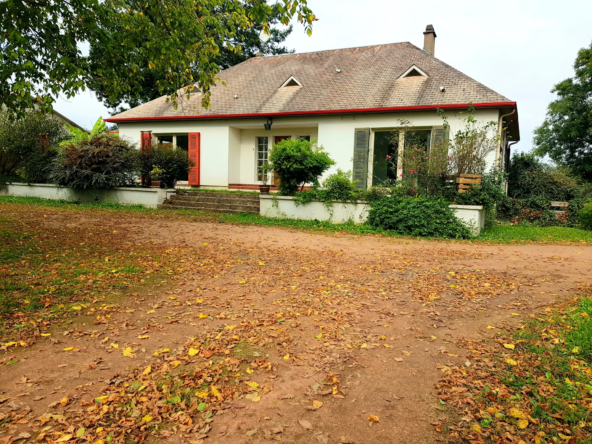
[(322, 112)]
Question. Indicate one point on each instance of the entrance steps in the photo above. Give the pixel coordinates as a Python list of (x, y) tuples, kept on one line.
[(214, 201)]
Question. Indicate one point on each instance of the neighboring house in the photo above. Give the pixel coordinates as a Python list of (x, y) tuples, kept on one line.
[(351, 100), (68, 121)]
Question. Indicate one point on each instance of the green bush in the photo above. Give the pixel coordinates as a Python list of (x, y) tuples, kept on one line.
[(489, 194), (417, 217), (337, 187), (586, 215), (39, 165), (103, 162), (172, 164), (297, 162), (530, 177)]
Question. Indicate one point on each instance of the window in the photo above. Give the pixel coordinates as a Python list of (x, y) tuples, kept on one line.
[(307, 138), (178, 140), (262, 155)]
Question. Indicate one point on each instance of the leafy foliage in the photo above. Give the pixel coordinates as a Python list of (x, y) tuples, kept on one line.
[(297, 162), (77, 135), (39, 165), (170, 164), (586, 215), (566, 133), (40, 56), (247, 39), (19, 139), (417, 217), (102, 162), (490, 193), (337, 187), (529, 176)]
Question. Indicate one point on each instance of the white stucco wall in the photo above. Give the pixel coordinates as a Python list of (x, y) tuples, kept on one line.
[(228, 146)]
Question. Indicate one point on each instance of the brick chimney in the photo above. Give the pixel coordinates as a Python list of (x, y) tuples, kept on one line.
[(429, 40)]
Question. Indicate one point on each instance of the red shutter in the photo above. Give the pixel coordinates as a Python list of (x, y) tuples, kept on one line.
[(194, 154), (146, 145)]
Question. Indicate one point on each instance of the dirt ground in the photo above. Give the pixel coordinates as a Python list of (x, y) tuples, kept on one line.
[(370, 323)]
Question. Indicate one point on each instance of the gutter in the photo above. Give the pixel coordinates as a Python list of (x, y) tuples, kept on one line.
[(321, 112)]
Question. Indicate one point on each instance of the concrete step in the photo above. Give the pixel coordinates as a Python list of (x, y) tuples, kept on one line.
[(214, 199), (218, 207)]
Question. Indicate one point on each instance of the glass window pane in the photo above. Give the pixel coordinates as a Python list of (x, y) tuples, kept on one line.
[(386, 153), (183, 142)]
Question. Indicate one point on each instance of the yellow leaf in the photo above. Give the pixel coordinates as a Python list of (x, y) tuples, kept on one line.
[(317, 404), (406, 353), (64, 438), (490, 327), (64, 401), (45, 335), (201, 394), (68, 349), (147, 418), (114, 345), (335, 390), (249, 371), (516, 413), (287, 357), (193, 351), (511, 361), (143, 336), (256, 399), (150, 312), (319, 336), (205, 244), (373, 418), (509, 346), (242, 282), (576, 350), (523, 423), (476, 428), (160, 352), (252, 384), (364, 345), (148, 370), (128, 352)]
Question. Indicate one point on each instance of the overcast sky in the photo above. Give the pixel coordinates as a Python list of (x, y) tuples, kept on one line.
[(518, 48)]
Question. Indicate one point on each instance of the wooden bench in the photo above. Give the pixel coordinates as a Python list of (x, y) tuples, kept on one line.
[(466, 181), (559, 207)]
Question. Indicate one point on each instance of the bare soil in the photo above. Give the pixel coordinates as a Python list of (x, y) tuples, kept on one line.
[(399, 311)]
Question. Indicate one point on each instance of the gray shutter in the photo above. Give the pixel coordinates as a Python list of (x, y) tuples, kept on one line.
[(361, 145)]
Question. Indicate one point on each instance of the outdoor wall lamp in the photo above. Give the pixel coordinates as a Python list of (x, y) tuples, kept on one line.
[(267, 125)]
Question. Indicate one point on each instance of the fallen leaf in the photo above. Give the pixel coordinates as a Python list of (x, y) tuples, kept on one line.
[(509, 346), (306, 424), (373, 418), (317, 404)]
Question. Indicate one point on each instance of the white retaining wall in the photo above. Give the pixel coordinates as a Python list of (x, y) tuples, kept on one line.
[(284, 207), (148, 197)]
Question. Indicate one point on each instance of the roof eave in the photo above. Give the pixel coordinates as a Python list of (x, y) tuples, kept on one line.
[(491, 105)]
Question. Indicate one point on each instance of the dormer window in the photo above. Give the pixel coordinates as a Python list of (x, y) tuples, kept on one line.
[(414, 71), (291, 82)]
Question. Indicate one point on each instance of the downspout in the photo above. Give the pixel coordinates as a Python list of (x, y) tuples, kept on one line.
[(499, 131)]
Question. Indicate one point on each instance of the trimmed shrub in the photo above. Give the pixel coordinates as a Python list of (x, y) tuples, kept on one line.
[(586, 215), (171, 164), (102, 162), (417, 217), (337, 187), (297, 162)]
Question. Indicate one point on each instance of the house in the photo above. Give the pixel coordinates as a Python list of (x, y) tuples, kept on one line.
[(351, 100)]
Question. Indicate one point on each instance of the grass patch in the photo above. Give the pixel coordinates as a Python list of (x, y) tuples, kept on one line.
[(534, 383), (513, 234)]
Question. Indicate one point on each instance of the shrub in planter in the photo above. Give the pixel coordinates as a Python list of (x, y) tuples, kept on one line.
[(39, 165), (586, 215), (172, 164), (417, 217), (102, 162), (337, 187), (297, 162)]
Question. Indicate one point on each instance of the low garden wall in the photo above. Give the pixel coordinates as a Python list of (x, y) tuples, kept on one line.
[(284, 207), (148, 197)]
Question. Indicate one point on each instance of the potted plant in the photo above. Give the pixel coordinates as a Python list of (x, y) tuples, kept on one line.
[(264, 171), (155, 176)]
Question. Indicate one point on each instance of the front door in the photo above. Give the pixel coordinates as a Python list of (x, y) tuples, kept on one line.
[(278, 139)]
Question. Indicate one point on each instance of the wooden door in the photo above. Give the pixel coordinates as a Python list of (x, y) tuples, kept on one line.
[(278, 139), (194, 153)]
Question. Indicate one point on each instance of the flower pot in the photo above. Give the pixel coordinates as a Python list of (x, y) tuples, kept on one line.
[(264, 189)]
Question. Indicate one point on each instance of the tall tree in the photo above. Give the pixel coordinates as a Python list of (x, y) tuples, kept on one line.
[(246, 40), (41, 54), (566, 133)]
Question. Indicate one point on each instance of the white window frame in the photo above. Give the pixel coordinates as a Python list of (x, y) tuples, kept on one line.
[(413, 67), (257, 155), (289, 80)]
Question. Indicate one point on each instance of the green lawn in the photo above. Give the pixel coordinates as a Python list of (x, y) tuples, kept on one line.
[(509, 234)]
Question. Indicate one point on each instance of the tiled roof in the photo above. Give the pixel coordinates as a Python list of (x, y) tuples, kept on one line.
[(368, 79)]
